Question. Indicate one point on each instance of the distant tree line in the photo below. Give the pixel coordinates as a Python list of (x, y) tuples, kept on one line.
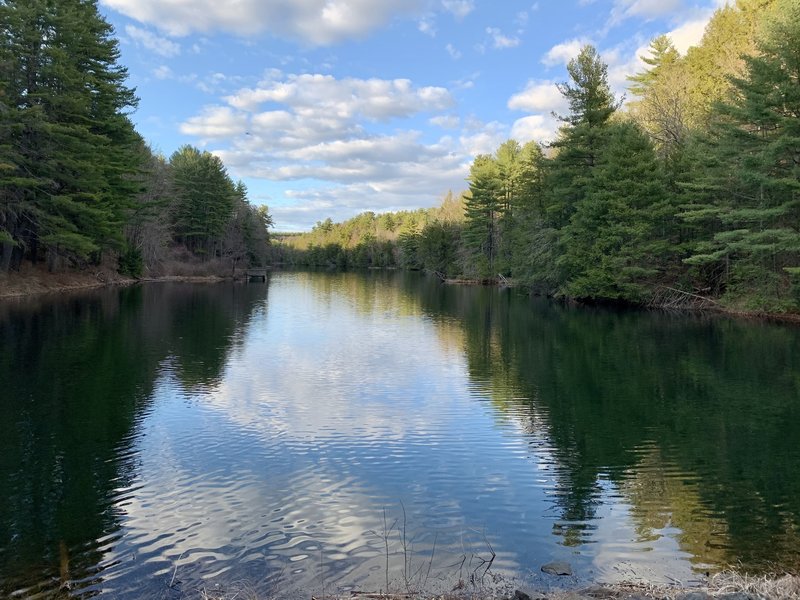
[(396, 239), (691, 194), (78, 186)]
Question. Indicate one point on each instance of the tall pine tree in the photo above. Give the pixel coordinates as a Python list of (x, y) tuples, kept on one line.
[(67, 148), (750, 191)]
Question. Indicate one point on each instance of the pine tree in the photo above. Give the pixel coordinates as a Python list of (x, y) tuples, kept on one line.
[(662, 56), (482, 210), (67, 148), (205, 200), (750, 193), (591, 104), (615, 240)]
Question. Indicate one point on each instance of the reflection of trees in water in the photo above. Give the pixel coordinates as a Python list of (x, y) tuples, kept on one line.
[(715, 400), (78, 372)]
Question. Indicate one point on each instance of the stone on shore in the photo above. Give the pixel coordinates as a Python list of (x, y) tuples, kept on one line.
[(560, 568)]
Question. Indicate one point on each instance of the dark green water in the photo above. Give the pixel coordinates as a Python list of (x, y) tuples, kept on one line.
[(158, 440)]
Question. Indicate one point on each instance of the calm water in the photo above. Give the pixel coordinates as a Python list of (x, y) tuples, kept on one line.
[(158, 440)]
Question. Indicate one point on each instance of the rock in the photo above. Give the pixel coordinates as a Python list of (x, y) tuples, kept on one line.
[(520, 595), (737, 596), (694, 596), (557, 568), (636, 597)]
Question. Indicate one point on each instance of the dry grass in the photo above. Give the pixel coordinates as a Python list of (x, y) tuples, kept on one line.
[(786, 587)]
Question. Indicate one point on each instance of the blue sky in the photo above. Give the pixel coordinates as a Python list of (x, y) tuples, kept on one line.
[(327, 108)]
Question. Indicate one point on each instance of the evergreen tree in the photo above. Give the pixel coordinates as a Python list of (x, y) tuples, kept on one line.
[(67, 148), (663, 55), (750, 192), (205, 198), (615, 241), (482, 210), (591, 104)]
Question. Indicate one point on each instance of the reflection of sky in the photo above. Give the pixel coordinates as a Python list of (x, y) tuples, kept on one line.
[(325, 415)]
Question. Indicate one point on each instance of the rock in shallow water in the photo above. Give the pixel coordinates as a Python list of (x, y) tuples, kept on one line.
[(557, 568)]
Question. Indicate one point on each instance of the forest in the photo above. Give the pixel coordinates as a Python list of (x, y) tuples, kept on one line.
[(686, 195), (79, 187)]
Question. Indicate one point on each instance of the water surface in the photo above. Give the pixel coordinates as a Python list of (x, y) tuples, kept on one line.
[(275, 437)]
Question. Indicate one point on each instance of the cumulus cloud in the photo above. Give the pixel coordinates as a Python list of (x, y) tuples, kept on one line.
[(500, 40), (460, 8), (562, 53), (151, 41), (163, 72), (445, 121), (315, 22), (483, 139), (540, 128), (216, 122), (689, 32), (542, 98), (427, 26), (376, 99), (646, 9), (338, 133), (454, 53), (538, 96)]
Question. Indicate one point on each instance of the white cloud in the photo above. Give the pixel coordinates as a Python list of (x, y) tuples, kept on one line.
[(453, 52), (163, 72), (540, 128), (562, 53), (216, 122), (538, 96), (445, 121), (460, 8), (315, 22), (485, 139), (334, 132), (689, 33), (646, 9), (153, 42), (500, 40), (376, 99), (427, 26), (542, 98)]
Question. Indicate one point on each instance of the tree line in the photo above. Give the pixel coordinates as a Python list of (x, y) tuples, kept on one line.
[(688, 194), (78, 185)]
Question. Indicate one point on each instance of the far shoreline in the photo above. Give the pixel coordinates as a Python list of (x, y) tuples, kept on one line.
[(37, 282)]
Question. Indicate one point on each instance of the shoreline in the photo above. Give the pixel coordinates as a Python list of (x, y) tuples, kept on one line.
[(34, 283), (710, 308), (727, 585), (37, 282)]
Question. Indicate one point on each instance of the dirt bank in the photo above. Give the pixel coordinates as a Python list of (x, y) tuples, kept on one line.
[(32, 281)]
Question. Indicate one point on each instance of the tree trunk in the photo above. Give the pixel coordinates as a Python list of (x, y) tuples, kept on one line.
[(6, 250)]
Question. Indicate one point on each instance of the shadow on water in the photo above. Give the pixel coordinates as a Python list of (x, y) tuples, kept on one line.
[(177, 428), (77, 374), (694, 419)]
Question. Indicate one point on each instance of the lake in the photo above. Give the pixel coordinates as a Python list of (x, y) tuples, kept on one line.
[(297, 435)]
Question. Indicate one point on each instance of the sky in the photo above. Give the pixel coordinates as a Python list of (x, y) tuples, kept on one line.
[(328, 108)]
